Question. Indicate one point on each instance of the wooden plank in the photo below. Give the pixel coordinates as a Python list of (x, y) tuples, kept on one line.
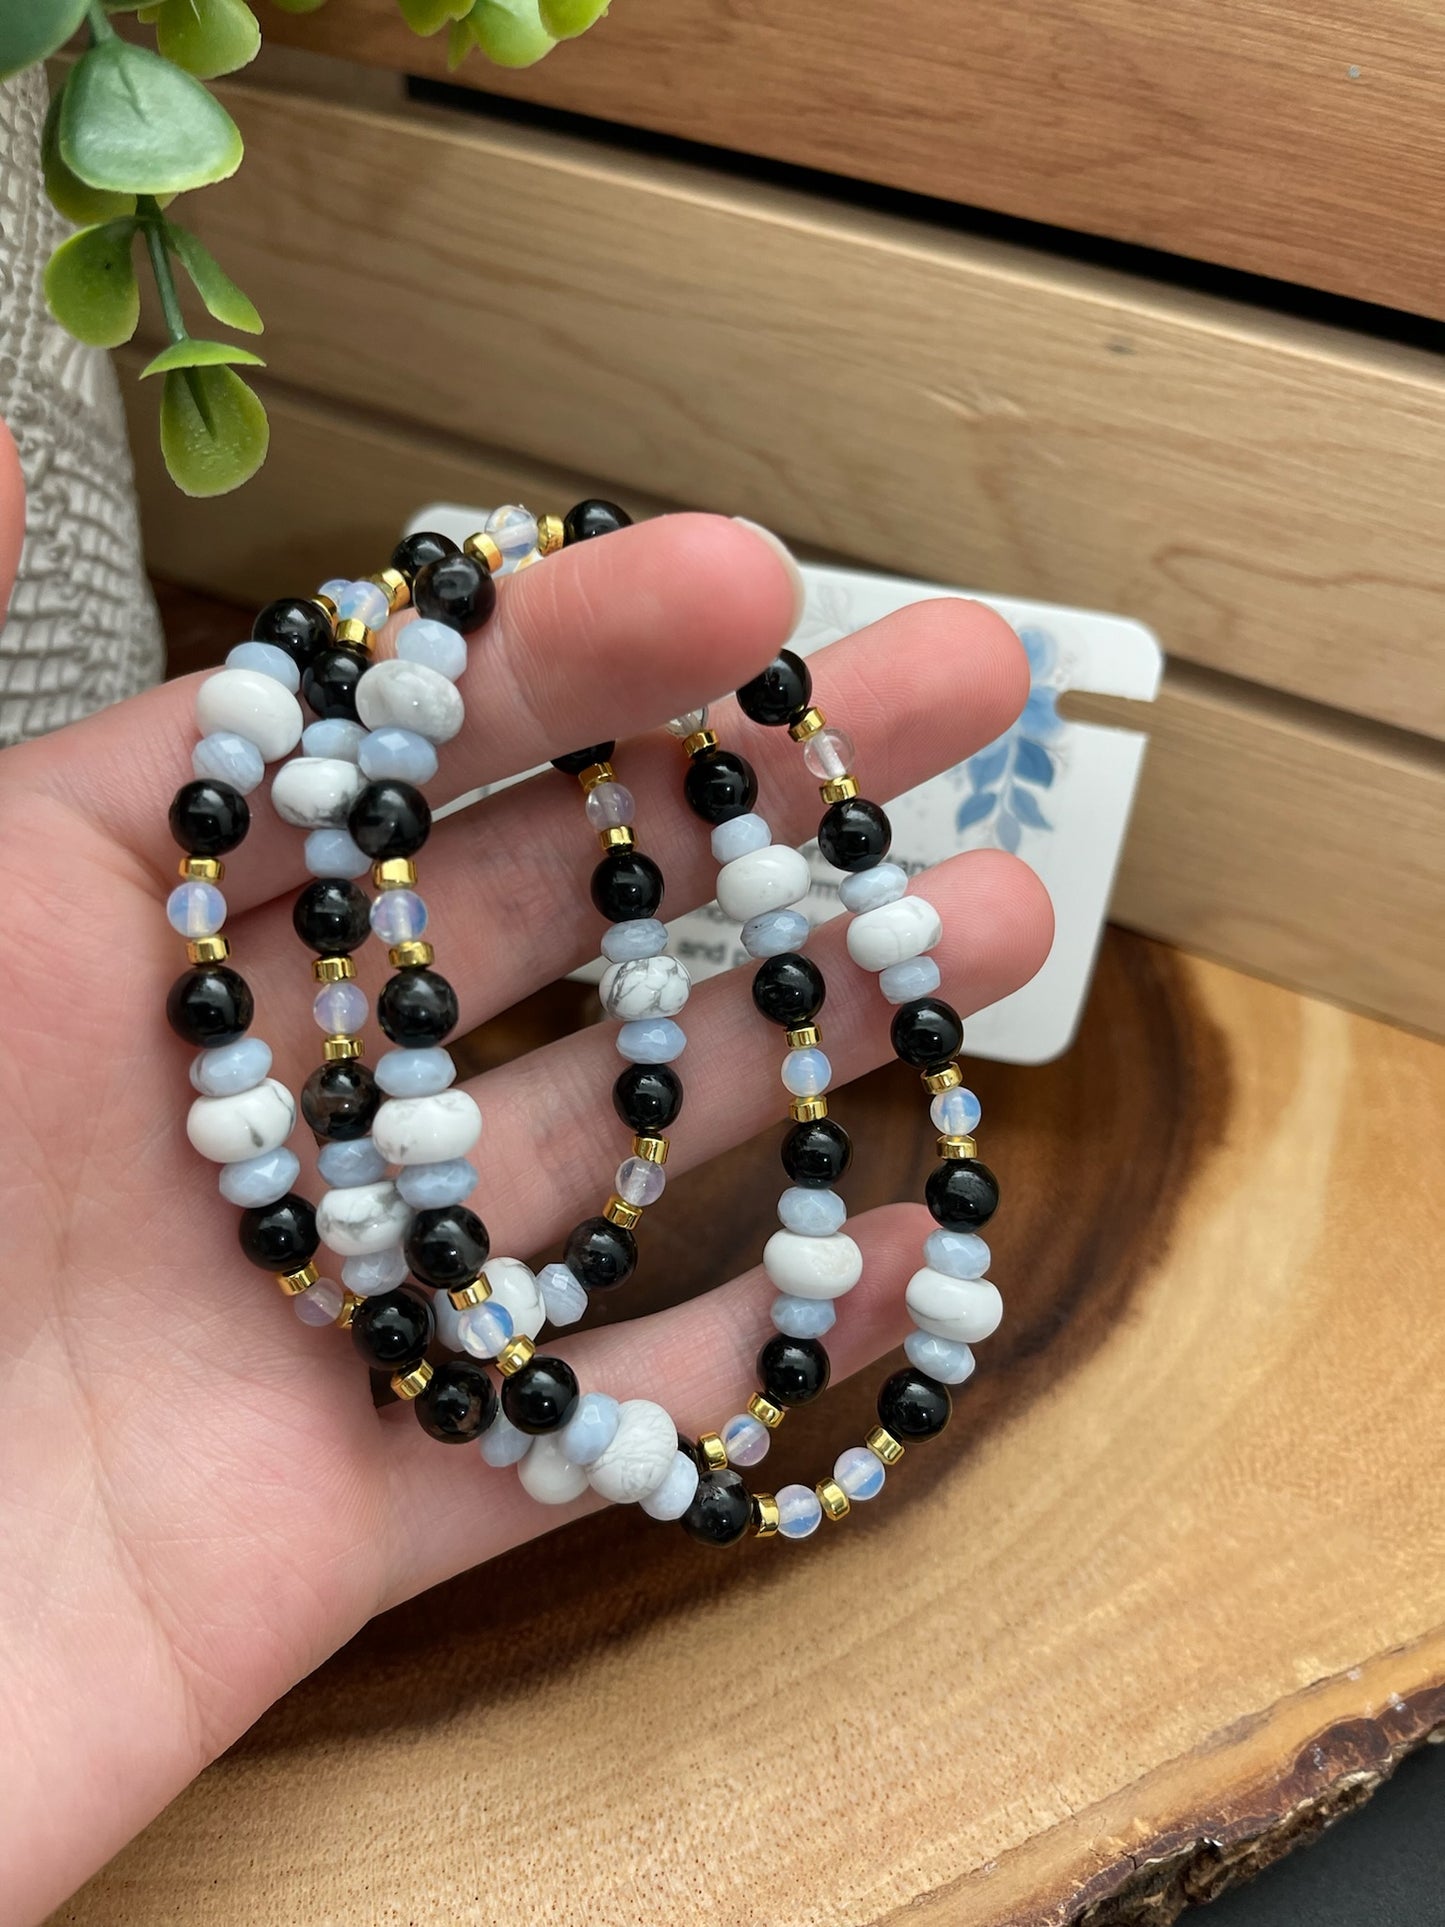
[(1271, 835), (1302, 141), (1265, 493), (1166, 1598)]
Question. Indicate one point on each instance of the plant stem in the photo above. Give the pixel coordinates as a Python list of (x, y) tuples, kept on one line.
[(154, 223), (99, 25)]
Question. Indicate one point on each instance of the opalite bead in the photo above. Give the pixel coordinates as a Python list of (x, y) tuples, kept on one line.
[(768, 879), (242, 702), (397, 755), (231, 1068), (334, 587), (267, 660), (871, 889), (320, 1304), (563, 1294), (815, 1214), (959, 1254), (229, 1129), (516, 1290), (350, 1161), (415, 1073), (502, 1444), (363, 602), (433, 644), (225, 757), (893, 933), (548, 1475), (626, 942), (903, 983), (746, 1439), (740, 836), (812, 1267), (609, 805), (259, 1180), (374, 1272), (316, 792), (362, 1218), (688, 723), (408, 695), (514, 530), (673, 1497), (652, 1041), (340, 1009), (449, 1181), (803, 1317), (335, 737), (941, 1358), (807, 1073), (775, 932), (639, 1456), (195, 909), (859, 1472), (956, 1113), (964, 1310), (398, 916), (484, 1329), (800, 1511), (331, 853), (427, 1130), (645, 987), (829, 754), (639, 1181), (591, 1428)]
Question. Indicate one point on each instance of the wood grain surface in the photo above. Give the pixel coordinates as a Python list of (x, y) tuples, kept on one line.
[(1301, 140)]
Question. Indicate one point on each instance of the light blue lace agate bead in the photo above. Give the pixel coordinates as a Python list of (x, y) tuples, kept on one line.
[(815, 1214), (513, 528), (676, 1493), (803, 1317), (340, 1009), (745, 1439), (871, 889), (425, 1186), (807, 1073), (374, 1271), (195, 909), (485, 1329), (225, 757), (415, 1073), (563, 1294), (800, 1511), (231, 1068), (775, 931), (267, 660), (955, 1113), (334, 737), (434, 644), (351, 1161), (860, 1474), (651, 1040), (959, 1254), (627, 942), (502, 1444), (397, 916), (740, 837), (363, 602), (331, 853), (393, 754), (261, 1179), (941, 1358), (590, 1430), (900, 983)]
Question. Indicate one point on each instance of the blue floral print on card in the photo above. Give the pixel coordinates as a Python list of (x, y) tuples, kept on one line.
[(1005, 782)]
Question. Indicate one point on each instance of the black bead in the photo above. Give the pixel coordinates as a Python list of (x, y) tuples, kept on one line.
[(207, 818), (647, 1097), (332, 916), (393, 1332), (627, 885), (913, 1406), (962, 1192), (454, 590), (792, 1371), (576, 760), (447, 1246), (417, 1007), (589, 519), (542, 1396), (855, 834), (721, 1510), (927, 1033), (781, 692), (601, 1254), (457, 1403), (817, 1154), (280, 1236), (295, 625), (209, 1005), (340, 1099), (329, 684), (789, 989), (389, 819), (720, 785), (413, 552)]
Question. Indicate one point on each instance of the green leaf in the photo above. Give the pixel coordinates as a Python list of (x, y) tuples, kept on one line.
[(132, 122), (510, 32), (201, 354), (217, 290), (32, 30), (565, 19), (213, 430), (430, 16), (91, 287), (459, 43), (208, 37), (77, 202)]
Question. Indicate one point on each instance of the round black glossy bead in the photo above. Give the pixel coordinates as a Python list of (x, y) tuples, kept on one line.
[(454, 590), (389, 819), (331, 916), (457, 1403), (329, 683), (962, 1193), (792, 1371), (927, 1033), (721, 1510), (647, 1097), (207, 818), (209, 1005), (720, 785), (340, 1099), (413, 552), (855, 834), (447, 1246), (913, 1406), (416, 1008), (627, 885), (576, 760), (393, 1331), (783, 689), (295, 625), (789, 989), (280, 1236), (542, 1396), (817, 1154), (601, 1254), (593, 518)]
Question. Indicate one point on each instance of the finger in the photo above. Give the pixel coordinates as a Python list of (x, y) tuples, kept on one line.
[(12, 515)]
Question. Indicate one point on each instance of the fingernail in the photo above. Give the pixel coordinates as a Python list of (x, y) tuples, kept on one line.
[(789, 561)]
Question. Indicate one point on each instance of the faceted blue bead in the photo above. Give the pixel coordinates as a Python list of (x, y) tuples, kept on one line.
[(234, 1067), (775, 932), (331, 853), (336, 737), (803, 1317), (960, 1254), (941, 1358), (626, 942), (816, 1214), (415, 1073), (449, 1181), (591, 1428), (651, 1040), (434, 644), (225, 757), (259, 1180), (267, 660), (399, 755), (349, 1162)]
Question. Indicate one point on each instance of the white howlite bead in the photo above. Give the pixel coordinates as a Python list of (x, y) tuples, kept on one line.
[(427, 1130), (870, 889), (964, 1310), (640, 1455), (893, 933), (768, 879), (676, 1493), (740, 836), (243, 702), (645, 987), (805, 1267), (516, 1290), (316, 792), (549, 1476), (361, 1218), (227, 1129), (408, 695)]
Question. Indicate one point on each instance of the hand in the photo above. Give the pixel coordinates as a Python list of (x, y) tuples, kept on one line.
[(200, 1501)]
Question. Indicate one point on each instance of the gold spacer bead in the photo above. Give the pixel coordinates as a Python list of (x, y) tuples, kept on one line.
[(465, 1296), (339, 1049), (394, 873), (349, 1304), (884, 1446), (481, 548), (332, 970), (806, 1109), (201, 869), (618, 836), (839, 790), (833, 1498), (652, 1150), (806, 725), (293, 1283), (208, 950), (713, 1452), (957, 1147), (395, 587), (550, 534), (700, 741), (594, 774), (765, 1515), (353, 634), (327, 607), (619, 1212), (408, 956), (516, 1353), (763, 1408), (804, 1037), (948, 1079), (408, 1384)]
